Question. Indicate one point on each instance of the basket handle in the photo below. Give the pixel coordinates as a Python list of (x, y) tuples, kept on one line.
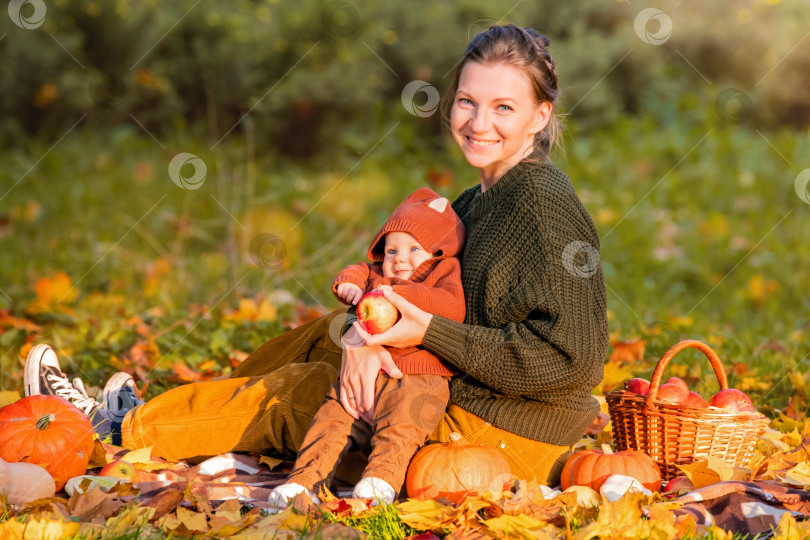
[(658, 374)]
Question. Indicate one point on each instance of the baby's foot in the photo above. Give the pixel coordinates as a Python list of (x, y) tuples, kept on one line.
[(281, 496), (375, 488)]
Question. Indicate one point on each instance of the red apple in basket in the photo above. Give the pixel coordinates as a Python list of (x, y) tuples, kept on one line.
[(120, 469), (376, 313), (680, 382), (638, 386), (695, 400), (733, 400), (671, 393)]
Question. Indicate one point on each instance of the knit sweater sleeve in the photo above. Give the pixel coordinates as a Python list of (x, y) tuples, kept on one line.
[(441, 294), (549, 335)]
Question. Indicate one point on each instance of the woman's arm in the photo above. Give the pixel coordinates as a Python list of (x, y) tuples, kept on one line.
[(358, 374), (557, 335)]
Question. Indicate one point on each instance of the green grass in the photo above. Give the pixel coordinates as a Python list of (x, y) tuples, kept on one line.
[(702, 232), (703, 236)]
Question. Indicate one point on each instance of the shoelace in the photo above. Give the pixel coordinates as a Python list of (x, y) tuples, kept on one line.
[(65, 389)]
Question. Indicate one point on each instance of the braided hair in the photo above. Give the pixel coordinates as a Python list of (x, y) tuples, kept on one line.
[(524, 48)]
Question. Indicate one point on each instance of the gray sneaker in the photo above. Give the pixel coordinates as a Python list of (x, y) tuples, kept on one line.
[(119, 395), (43, 376)]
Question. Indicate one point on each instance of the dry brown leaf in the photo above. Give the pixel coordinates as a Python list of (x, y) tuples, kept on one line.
[(165, 501), (95, 506)]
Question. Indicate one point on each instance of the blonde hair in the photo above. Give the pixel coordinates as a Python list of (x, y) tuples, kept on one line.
[(526, 49)]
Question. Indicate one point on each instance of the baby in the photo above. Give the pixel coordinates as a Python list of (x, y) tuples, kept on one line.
[(415, 254)]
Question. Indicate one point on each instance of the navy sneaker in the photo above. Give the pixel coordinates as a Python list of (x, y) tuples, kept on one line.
[(119, 395)]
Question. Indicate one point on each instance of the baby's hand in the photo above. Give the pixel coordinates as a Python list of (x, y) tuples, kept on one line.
[(383, 288), (349, 292)]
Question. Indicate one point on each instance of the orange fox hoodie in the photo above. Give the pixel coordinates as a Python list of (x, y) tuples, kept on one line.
[(434, 286)]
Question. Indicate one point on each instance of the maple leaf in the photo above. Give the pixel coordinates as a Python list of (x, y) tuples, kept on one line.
[(424, 515), (712, 470)]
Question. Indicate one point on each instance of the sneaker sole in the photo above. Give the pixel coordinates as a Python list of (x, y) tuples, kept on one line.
[(118, 380), (32, 363)]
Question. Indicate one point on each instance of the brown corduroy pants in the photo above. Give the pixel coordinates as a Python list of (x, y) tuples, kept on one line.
[(407, 411), (270, 399)]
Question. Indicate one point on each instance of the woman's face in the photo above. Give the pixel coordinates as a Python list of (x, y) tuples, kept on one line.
[(495, 116)]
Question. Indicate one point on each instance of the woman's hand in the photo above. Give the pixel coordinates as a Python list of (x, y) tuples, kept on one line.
[(358, 374), (409, 331)]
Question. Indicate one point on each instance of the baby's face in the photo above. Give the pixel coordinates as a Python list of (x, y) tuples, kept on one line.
[(403, 254)]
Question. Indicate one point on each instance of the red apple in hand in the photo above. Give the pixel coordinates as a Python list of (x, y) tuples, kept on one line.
[(671, 393), (695, 400), (376, 313), (120, 469), (638, 386), (732, 400)]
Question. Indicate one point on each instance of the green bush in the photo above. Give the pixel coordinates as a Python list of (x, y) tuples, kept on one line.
[(325, 77)]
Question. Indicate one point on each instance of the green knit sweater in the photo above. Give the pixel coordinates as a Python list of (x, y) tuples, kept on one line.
[(533, 343)]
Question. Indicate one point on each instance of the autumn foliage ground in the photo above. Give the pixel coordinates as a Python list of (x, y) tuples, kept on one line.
[(119, 269)]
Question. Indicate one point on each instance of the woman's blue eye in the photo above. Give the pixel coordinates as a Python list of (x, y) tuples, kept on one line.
[(505, 107), (465, 101)]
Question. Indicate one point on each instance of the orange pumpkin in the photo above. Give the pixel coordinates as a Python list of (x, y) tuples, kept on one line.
[(591, 468), (47, 431), (453, 469)]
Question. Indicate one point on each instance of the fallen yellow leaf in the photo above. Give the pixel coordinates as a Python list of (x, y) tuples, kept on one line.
[(712, 470), (141, 455)]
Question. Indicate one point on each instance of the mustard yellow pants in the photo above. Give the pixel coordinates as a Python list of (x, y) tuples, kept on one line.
[(270, 399)]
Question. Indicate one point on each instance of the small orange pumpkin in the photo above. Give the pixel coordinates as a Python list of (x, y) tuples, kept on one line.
[(453, 469), (47, 431), (591, 468)]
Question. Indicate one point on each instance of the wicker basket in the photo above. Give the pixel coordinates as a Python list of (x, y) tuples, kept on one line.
[(676, 434)]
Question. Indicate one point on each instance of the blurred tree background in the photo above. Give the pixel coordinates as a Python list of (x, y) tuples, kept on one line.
[(686, 134)]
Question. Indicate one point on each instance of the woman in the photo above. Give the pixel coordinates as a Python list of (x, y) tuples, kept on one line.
[(535, 335)]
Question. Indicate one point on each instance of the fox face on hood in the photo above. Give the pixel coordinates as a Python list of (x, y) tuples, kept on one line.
[(430, 219)]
